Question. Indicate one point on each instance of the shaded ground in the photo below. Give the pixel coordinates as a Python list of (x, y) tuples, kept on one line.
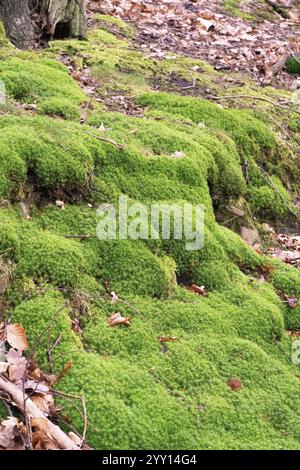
[(246, 36)]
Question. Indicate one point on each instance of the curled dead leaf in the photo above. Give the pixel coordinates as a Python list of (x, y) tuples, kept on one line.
[(199, 290), (168, 339), (116, 320), (9, 430), (16, 337)]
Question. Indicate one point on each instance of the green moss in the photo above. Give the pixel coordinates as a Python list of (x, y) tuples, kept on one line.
[(45, 318), (60, 107), (272, 201), (131, 267), (4, 43), (114, 24), (143, 392), (56, 156), (30, 79), (251, 135), (233, 7), (293, 65), (52, 258)]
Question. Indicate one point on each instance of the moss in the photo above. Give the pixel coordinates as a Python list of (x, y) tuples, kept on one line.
[(272, 201), (132, 268), (42, 255), (293, 66), (114, 24), (4, 43), (233, 7), (60, 107), (30, 79), (141, 391), (56, 156), (45, 317), (251, 135)]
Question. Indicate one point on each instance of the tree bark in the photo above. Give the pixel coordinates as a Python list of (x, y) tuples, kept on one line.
[(63, 18), (15, 15), (28, 22)]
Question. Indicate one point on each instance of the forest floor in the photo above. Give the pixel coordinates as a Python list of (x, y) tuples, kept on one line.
[(143, 344)]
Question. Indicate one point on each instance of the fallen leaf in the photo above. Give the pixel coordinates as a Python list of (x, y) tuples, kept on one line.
[(235, 384), (43, 402), (116, 320), (17, 365), (114, 297), (60, 204), (41, 441), (3, 367), (168, 339), (7, 433), (16, 337), (199, 290)]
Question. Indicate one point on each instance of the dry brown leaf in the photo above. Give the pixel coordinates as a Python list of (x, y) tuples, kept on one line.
[(235, 384), (168, 339), (199, 290), (16, 337), (17, 365), (43, 402), (10, 434), (41, 441), (116, 320)]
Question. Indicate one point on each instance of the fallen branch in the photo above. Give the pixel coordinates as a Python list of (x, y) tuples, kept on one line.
[(84, 410), (259, 98), (108, 141), (81, 237), (62, 439)]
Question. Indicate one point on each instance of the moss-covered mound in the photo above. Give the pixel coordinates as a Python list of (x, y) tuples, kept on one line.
[(166, 380)]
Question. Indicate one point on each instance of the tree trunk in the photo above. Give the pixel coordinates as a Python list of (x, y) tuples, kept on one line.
[(28, 22), (63, 18), (15, 15)]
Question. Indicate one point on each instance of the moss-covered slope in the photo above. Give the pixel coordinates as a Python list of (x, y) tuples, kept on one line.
[(143, 392)]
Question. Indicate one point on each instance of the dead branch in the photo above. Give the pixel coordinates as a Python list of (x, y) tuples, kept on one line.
[(85, 418), (259, 98), (62, 439), (105, 139), (84, 236)]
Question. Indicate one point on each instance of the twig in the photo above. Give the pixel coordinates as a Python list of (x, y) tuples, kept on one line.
[(190, 86), (50, 350), (108, 141), (32, 411), (273, 186), (81, 237), (82, 399), (295, 57), (259, 98)]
